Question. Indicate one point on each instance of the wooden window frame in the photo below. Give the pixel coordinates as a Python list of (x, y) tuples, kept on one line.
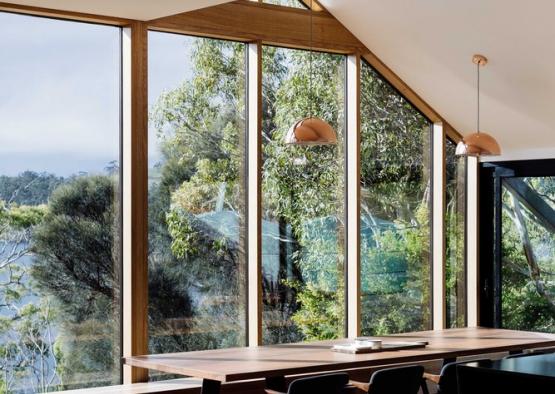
[(135, 201), (352, 140), (254, 218), (472, 242), (439, 305), (258, 24)]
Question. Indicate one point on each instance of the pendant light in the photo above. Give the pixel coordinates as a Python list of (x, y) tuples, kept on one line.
[(478, 143), (311, 130)]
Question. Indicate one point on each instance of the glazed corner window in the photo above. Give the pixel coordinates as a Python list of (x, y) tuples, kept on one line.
[(60, 260), (197, 259), (395, 210)]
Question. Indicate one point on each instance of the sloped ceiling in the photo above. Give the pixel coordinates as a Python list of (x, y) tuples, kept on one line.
[(131, 9), (430, 43)]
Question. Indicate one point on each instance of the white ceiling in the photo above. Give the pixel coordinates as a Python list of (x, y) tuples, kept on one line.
[(131, 9), (430, 43)]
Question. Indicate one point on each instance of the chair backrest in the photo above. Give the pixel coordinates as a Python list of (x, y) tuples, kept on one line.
[(519, 355), (473, 380), (399, 380), (324, 384), (448, 376), (534, 353)]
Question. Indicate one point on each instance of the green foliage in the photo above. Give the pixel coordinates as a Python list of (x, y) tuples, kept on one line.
[(200, 129), (455, 259), (77, 264), (302, 189), (395, 201), (395, 279), (28, 188), (184, 236), (78, 233), (528, 282), (320, 314), (23, 217)]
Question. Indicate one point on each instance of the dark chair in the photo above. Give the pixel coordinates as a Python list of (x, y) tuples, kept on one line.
[(399, 380), (472, 380), (335, 383), (447, 379), (532, 353)]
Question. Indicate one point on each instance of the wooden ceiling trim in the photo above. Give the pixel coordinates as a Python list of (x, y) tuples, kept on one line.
[(66, 15), (274, 25)]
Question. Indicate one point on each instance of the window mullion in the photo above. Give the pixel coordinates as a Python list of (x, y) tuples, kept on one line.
[(438, 240), (353, 296), (472, 241), (135, 198), (254, 113)]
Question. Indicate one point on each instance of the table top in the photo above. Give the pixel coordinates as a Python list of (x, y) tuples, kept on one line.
[(234, 364), (539, 365)]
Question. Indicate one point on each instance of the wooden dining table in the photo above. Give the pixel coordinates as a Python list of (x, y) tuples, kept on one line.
[(274, 362)]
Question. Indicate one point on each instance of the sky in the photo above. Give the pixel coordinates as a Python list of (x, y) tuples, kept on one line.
[(169, 64), (60, 92)]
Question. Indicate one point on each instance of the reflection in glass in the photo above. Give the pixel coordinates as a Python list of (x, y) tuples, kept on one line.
[(197, 282), (60, 261), (528, 254), (302, 199), (395, 210), (455, 258)]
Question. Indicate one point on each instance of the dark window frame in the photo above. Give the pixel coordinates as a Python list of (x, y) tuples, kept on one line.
[(491, 175)]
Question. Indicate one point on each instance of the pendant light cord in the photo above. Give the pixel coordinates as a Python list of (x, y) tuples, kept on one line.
[(310, 96), (478, 97)]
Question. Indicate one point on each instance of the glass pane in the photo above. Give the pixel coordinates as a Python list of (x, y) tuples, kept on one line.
[(395, 210), (288, 3), (528, 254), (302, 199), (197, 267), (60, 261), (455, 229)]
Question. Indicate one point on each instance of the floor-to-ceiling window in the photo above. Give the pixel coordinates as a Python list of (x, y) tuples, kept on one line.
[(197, 156), (455, 237), (60, 210), (527, 253), (60, 260), (395, 210), (517, 226), (303, 226)]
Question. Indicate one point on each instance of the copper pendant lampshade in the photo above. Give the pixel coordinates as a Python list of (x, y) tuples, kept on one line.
[(478, 143), (311, 130)]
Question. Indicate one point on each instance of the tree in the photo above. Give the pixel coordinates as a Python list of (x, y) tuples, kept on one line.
[(528, 248), (303, 192), (395, 194), (77, 266), (200, 128), (197, 207), (28, 188), (25, 326)]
